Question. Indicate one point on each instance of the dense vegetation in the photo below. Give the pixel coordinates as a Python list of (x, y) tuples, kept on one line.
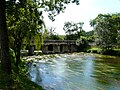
[(107, 32)]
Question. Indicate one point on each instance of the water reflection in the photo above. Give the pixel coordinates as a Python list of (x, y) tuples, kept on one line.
[(35, 73), (78, 71)]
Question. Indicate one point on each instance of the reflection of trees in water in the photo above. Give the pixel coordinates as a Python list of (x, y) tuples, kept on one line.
[(38, 78), (107, 71)]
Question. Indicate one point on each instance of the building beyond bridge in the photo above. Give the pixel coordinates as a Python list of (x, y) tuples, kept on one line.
[(59, 46)]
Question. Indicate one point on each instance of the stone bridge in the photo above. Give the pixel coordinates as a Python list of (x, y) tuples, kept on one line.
[(59, 46)]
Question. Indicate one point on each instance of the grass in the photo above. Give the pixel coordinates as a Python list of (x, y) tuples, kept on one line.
[(94, 50)]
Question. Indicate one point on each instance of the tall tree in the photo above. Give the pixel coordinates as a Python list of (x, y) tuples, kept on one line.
[(4, 54), (5, 61), (107, 28), (24, 21)]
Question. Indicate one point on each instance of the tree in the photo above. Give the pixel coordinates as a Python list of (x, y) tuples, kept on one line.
[(54, 7), (107, 28), (25, 19), (4, 54), (5, 61), (52, 35), (73, 30), (82, 42), (51, 31), (91, 36)]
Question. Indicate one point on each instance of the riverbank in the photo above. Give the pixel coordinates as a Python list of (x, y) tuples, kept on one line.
[(112, 52), (18, 82)]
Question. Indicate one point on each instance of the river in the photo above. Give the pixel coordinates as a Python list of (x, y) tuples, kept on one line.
[(77, 71)]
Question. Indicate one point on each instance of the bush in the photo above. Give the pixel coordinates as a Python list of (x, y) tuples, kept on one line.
[(82, 42), (94, 50)]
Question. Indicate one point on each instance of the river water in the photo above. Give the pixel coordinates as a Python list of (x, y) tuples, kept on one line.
[(78, 71)]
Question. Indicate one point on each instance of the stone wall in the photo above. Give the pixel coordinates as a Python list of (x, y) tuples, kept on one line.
[(59, 48)]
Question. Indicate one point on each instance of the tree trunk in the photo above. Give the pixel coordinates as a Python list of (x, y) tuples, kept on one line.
[(17, 53), (31, 50), (18, 58), (5, 61)]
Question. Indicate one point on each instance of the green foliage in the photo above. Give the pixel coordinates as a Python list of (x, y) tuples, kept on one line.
[(71, 37), (12, 59), (5, 81), (73, 30), (62, 37), (24, 21), (54, 7), (113, 52), (91, 36), (107, 29), (38, 41), (94, 50), (22, 64), (82, 42), (54, 37)]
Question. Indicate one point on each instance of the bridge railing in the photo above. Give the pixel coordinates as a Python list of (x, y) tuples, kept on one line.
[(59, 41)]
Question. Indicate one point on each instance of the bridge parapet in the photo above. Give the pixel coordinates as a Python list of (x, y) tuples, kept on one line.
[(46, 42)]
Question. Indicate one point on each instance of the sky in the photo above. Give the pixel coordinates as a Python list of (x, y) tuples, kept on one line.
[(86, 11)]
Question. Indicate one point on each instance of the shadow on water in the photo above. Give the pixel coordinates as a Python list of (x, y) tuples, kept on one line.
[(79, 71)]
